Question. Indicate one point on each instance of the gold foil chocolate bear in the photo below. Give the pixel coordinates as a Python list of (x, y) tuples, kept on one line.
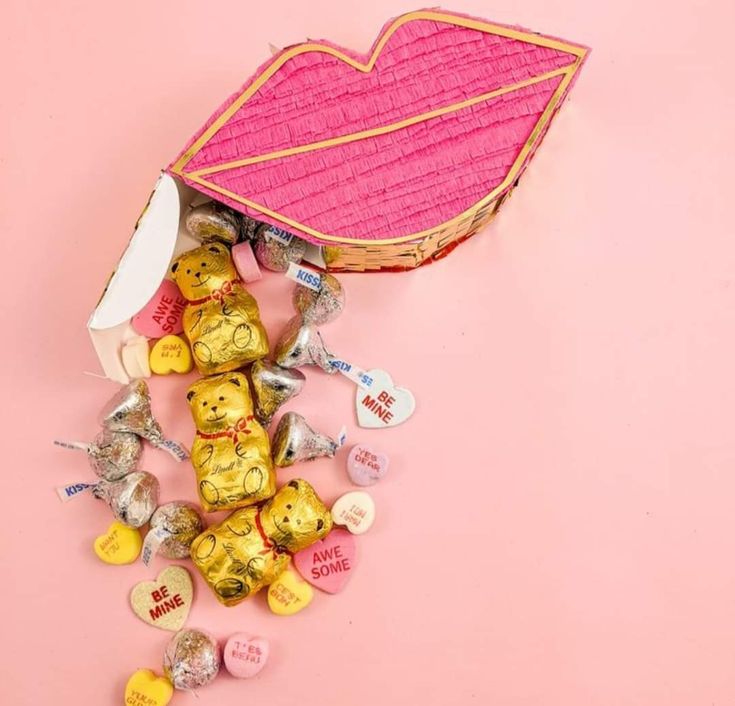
[(231, 451), (251, 548), (221, 320)]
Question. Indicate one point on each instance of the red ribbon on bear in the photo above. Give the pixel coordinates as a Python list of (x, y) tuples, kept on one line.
[(218, 295), (269, 546), (240, 427)]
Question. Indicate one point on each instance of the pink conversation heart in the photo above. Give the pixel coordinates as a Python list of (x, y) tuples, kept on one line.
[(366, 466), (328, 563), (245, 655), (163, 314)]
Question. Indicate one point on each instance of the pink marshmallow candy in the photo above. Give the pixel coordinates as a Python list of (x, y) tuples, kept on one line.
[(245, 262)]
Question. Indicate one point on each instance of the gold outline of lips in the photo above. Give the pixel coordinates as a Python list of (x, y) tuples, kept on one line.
[(567, 72)]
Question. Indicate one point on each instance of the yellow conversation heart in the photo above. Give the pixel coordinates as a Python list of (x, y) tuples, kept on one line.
[(119, 545), (170, 354), (289, 594), (144, 688), (165, 602)]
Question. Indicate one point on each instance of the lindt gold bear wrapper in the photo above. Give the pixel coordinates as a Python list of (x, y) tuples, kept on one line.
[(221, 319), (251, 548), (231, 450)]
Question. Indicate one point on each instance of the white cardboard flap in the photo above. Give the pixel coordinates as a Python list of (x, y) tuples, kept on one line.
[(145, 261)]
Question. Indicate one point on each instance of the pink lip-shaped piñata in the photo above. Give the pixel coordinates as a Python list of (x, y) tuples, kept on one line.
[(389, 159)]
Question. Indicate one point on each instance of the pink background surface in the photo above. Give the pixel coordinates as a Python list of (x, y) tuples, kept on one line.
[(557, 524)]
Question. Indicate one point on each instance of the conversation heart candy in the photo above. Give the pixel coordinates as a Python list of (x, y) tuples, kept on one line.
[(289, 594), (328, 563), (171, 354), (366, 466), (165, 602), (245, 655), (163, 314), (381, 404), (354, 510), (119, 545), (245, 262), (144, 688)]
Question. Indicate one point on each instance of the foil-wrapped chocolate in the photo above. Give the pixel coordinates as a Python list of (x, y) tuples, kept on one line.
[(132, 499), (231, 450), (214, 221), (130, 411), (322, 306), (174, 526), (275, 249), (302, 344), (250, 549), (112, 454), (273, 386), (191, 659), (221, 319), (295, 441), (249, 227)]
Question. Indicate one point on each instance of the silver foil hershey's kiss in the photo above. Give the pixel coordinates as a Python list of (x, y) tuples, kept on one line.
[(275, 250), (295, 441), (112, 454), (130, 411), (273, 386), (214, 221), (322, 306), (132, 499), (302, 344), (191, 659), (179, 524)]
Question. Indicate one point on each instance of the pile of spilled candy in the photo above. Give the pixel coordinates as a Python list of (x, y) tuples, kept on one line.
[(282, 539)]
